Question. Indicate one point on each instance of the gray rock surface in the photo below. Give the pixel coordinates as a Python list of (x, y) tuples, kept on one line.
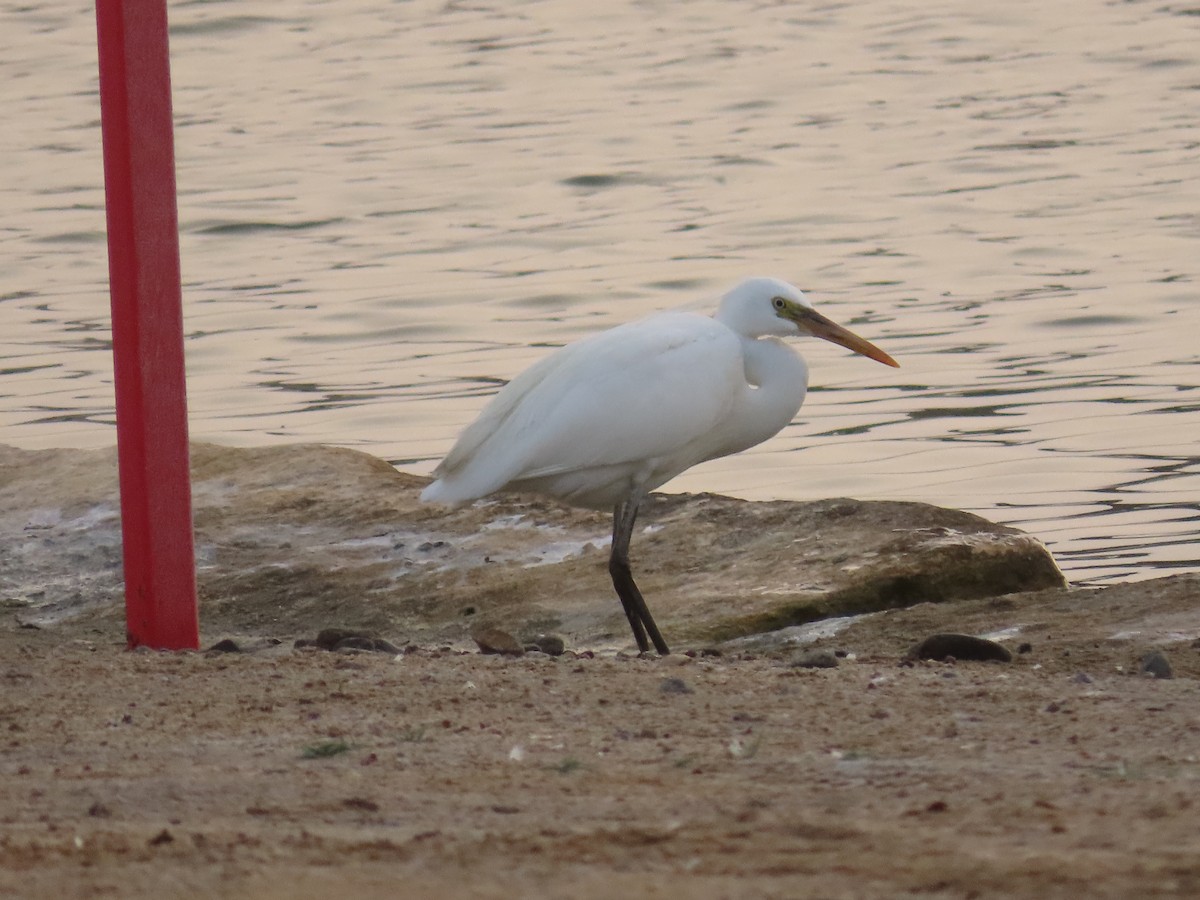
[(292, 539)]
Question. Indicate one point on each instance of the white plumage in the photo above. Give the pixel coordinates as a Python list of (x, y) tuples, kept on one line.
[(607, 419)]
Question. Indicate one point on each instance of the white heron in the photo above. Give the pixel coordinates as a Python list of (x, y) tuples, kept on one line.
[(603, 421)]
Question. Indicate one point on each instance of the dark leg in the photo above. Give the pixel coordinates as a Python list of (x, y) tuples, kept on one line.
[(618, 568), (632, 601)]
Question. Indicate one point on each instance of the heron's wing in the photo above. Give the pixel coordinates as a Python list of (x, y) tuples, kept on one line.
[(640, 391)]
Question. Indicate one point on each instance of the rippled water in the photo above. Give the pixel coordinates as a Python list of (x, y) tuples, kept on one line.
[(389, 208)]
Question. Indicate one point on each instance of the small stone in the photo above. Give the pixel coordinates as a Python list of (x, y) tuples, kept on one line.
[(496, 640), (163, 837), (329, 638), (674, 686), (1026, 647), (816, 659), (225, 646), (1156, 665), (99, 811), (960, 647), (354, 642), (1082, 678), (550, 644), (363, 642)]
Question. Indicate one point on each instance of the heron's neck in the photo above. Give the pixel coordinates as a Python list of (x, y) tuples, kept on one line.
[(779, 379)]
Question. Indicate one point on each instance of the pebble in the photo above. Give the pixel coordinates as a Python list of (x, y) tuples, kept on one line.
[(959, 646), (346, 640), (816, 659), (329, 638), (496, 640), (674, 686), (550, 644), (1156, 665), (247, 645), (364, 642)]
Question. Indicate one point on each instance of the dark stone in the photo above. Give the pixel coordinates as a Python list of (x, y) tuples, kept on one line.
[(345, 639), (496, 640), (816, 659), (674, 686), (163, 837), (225, 646), (364, 642), (1156, 665), (960, 646), (329, 638), (550, 644), (1025, 647)]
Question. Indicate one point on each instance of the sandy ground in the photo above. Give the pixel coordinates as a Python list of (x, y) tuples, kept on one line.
[(305, 773)]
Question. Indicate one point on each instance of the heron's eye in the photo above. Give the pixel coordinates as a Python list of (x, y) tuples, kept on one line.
[(779, 303)]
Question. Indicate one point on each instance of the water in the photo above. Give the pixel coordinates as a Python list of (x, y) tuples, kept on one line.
[(389, 208)]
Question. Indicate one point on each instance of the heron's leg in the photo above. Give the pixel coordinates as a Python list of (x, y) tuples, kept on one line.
[(618, 568), (632, 601)]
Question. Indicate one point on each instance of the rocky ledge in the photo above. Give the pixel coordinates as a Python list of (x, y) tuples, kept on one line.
[(290, 539)]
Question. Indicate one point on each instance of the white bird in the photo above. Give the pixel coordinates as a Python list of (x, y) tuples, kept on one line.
[(603, 421)]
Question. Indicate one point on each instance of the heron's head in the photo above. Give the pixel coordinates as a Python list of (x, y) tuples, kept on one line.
[(769, 306)]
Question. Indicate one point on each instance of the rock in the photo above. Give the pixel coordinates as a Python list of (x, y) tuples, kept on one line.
[(291, 537), (495, 640), (329, 638), (674, 685), (848, 557), (364, 642), (347, 639), (550, 644), (1156, 665), (960, 646), (816, 659), (224, 646)]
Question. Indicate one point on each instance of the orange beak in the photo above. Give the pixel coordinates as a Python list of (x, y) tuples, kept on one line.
[(814, 323)]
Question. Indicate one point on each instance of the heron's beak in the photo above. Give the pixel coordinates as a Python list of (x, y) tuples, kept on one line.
[(812, 322)]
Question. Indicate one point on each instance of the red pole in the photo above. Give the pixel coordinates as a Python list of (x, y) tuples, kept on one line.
[(147, 320)]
